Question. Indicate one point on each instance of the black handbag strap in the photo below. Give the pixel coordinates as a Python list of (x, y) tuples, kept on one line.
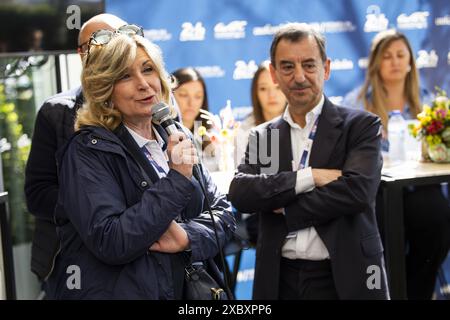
[(201, 181), (150, 174)]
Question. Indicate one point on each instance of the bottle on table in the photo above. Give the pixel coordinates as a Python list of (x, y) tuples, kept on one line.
[(396, 136)]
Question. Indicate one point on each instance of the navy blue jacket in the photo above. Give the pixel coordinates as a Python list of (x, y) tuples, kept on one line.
[(109, 213), (53, 128)]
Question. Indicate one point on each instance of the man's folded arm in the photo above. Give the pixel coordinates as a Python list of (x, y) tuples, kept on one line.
[(351, 193), (262, 192)]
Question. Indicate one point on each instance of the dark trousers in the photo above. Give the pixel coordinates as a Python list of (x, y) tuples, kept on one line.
[(306, 280), (427, 231)]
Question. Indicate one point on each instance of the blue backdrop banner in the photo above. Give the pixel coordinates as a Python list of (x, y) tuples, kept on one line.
[(227, 39)]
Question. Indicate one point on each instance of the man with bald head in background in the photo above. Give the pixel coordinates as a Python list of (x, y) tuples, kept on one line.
[(54, 125), (100, 21)]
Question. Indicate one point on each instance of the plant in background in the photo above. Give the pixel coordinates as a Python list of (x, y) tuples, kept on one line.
[(14, 149), (222, 134), (434, 127)]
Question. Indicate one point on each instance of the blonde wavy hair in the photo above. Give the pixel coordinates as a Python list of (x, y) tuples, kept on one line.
[(377, 101), (106, 65)]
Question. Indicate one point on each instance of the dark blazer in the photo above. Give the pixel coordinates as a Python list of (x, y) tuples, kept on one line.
[(343, 211), (53, 128)]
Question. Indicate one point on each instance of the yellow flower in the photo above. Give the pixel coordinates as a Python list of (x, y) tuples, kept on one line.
[(434, 122), (224, 133), (12, 117), (201, 131), (416, 129), (421, 116), (426, 120), (441, 102), (7, 108), (433, 139)]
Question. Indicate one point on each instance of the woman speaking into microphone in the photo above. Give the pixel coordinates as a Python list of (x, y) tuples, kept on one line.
[(129, 211)]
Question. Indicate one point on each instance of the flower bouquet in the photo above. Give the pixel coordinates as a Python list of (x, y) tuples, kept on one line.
[(222, 132), (434, 128)]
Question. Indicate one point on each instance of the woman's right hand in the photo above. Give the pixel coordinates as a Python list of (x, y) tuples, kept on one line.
[(182, 154), (173, 240)]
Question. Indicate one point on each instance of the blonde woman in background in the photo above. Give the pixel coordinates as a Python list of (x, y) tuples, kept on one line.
[(392, 83)]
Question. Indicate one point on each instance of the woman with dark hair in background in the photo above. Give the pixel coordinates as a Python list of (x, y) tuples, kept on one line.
[(268, 100), (191, 96), (392, 83)]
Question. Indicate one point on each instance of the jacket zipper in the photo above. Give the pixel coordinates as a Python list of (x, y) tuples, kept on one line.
[(53, 263)]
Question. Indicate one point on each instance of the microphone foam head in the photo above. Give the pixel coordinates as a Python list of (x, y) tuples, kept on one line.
[(160, 112)]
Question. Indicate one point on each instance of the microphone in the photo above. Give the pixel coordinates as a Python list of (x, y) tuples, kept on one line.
[(161, 116)]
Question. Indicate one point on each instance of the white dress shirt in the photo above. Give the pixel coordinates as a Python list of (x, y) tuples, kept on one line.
[(154, 147), (306, 243)]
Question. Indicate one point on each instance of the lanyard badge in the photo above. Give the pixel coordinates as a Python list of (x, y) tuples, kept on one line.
[(308, 145)]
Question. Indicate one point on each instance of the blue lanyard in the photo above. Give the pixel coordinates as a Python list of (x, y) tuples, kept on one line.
[(153, 162), (311, 137)]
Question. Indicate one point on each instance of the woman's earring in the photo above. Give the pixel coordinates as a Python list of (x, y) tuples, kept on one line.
[(109, 104)]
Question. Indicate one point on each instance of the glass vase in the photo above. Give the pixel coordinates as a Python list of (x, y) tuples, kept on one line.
[(226, 156), (439, 153)]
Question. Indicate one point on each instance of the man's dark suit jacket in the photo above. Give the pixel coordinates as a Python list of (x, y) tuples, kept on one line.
[(53, 127), (343, 211)]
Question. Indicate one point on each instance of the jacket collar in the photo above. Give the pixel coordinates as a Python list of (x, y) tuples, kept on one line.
[(141, 141), (131, 146), (328, 133), (310, 116)]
